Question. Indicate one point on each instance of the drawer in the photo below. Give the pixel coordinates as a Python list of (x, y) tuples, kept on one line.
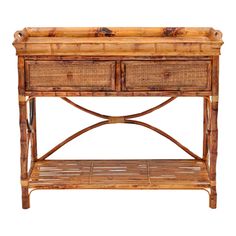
[(166, 75), (70, 75)]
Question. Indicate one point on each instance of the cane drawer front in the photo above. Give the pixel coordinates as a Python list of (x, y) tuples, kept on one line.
[(166, 75), (70, 75)]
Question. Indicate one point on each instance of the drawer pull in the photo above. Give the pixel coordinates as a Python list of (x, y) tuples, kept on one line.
[(70, 75), (166, 75)]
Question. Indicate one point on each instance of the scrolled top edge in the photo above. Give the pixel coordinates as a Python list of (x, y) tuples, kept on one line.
[(215, 34), (20, 35)]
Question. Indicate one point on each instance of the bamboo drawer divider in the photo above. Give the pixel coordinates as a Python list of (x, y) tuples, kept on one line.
[(166, 62)]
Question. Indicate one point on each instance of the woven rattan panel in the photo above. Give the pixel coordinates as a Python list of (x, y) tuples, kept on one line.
[(80, 74), (181, 75)]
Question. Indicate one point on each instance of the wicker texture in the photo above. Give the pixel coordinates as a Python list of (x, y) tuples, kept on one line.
[(167, 75), (119, 174), (83, 74)]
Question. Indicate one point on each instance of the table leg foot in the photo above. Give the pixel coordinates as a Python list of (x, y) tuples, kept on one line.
[(25, 198), (213, 199)]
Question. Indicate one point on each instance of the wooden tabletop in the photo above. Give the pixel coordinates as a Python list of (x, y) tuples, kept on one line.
[(170, 41)]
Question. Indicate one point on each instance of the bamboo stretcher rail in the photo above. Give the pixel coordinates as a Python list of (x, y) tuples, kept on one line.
[(159, 131), (84, 109), (73, 136), (126, 116), (119, 119)]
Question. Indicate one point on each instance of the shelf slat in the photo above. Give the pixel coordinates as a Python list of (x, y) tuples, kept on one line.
[(119, 174)]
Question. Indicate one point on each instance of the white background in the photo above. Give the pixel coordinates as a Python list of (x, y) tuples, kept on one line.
[(116, 212)]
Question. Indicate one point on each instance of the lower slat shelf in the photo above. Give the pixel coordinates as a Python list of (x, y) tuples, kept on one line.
[(119, 174)]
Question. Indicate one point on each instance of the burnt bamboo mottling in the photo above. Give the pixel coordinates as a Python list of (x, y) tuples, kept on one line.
[(166, 62)]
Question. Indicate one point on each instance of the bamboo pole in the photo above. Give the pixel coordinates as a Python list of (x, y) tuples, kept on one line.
[(23, 137), (205, 130), (214, 131), (33, 127)]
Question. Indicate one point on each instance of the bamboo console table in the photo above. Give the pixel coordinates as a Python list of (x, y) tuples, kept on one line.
[(67, 62)]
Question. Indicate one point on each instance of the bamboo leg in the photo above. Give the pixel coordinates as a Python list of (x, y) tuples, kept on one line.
[(33, 126), (24, 152), (25, 198), (24, 138), (213, 153), (213, 198), (205, 127), (214, 131)]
